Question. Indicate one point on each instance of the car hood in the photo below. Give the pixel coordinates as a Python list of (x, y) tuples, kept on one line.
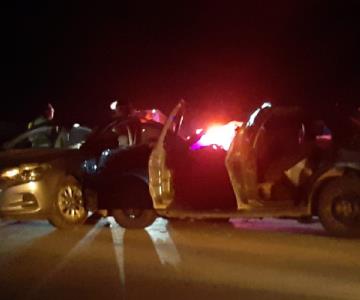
[(14, 157)]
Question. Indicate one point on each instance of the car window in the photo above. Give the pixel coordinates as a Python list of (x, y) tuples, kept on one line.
[(281, 136), (282, 131), (77, 136), (43, 137), (24, 143), (149, 133), (124, 135)]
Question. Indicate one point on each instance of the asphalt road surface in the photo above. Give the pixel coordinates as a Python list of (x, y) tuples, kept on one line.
[(268, 259)]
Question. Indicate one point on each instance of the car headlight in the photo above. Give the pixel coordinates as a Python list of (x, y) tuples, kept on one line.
[(25, 173)]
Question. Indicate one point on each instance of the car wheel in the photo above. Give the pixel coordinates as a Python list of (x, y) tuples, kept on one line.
[(133, 218), (339, 207), (69, 208)]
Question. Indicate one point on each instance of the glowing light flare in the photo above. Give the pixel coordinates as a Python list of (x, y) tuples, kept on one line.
[(218, 136), (113, 105), (11, 173), (32, 186), (149, 115), (198, 131)]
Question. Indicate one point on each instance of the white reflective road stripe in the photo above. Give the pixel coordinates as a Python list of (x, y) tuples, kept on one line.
[(117, 233), (163, 243)]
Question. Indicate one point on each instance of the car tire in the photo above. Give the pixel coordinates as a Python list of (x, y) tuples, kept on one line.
[(339, 207), (134, 218), (68, 210)]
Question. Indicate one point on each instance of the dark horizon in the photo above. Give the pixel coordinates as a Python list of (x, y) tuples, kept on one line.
[(226, 60)]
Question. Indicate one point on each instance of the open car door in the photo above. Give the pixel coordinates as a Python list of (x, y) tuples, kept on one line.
[(186, 180), (160, 180), (269, 159)]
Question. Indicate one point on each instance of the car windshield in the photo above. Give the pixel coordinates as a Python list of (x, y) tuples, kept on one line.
[(142, 127)]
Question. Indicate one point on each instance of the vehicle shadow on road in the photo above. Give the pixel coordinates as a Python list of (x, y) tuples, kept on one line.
[(27, 267), (6, 223)]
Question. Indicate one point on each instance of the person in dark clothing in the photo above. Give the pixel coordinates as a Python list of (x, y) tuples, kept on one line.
[(46, 138), (46, 117)]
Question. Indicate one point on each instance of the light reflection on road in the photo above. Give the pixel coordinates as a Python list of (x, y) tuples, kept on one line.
[(161, 240), (163, 243), (117, 234), (268, 259)]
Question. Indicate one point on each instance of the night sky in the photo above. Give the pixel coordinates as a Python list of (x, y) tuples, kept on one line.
[(223, 60)]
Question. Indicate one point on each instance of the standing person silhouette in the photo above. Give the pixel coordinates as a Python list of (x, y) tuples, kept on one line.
[(46, 117), (43, 139)]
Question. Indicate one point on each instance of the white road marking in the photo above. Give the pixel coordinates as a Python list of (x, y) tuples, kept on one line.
[(117, 233), (163, 243)]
